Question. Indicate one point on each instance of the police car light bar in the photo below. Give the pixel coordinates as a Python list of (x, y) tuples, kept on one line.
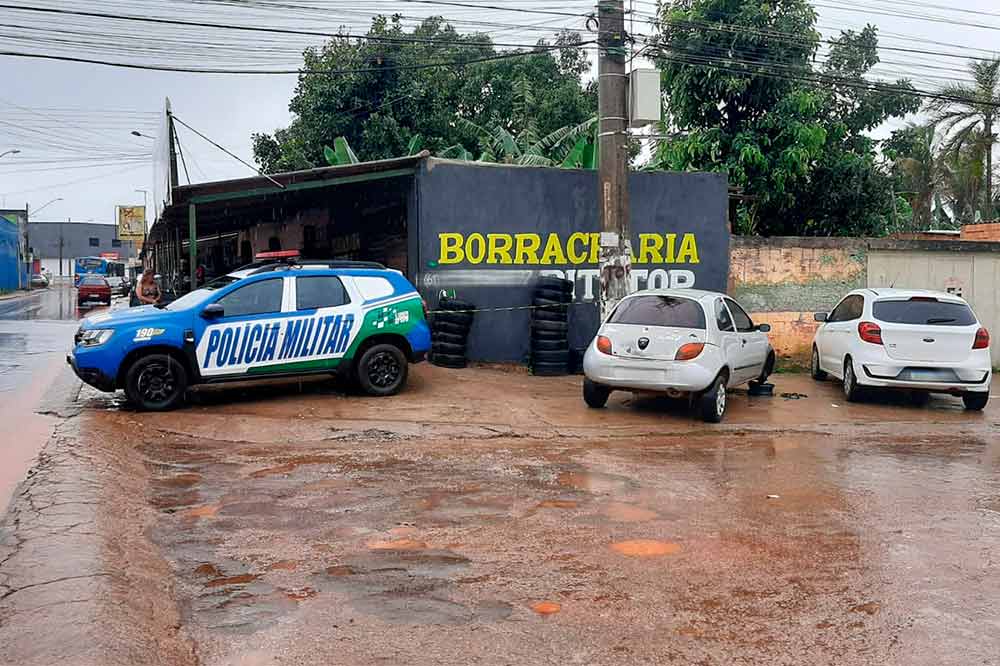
[(283, 254)]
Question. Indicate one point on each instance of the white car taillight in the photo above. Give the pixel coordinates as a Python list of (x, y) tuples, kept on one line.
[(870, 333), (982, 339)]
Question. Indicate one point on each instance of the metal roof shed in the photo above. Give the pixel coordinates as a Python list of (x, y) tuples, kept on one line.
[(201, 212)]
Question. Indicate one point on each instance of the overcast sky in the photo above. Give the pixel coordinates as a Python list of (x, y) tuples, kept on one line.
[(36, 101)]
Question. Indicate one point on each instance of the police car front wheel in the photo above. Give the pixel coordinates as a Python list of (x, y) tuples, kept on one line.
[(382, 370), (156, 382)]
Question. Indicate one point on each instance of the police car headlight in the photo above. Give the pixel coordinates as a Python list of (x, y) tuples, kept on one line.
[(95, 337)]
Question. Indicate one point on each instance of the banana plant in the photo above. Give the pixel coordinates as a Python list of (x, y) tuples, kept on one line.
[(341, 153)]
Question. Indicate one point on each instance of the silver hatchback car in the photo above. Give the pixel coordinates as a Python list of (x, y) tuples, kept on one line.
[(680, 342)]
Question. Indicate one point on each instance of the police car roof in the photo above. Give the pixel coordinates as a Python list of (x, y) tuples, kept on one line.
[(259, 268)]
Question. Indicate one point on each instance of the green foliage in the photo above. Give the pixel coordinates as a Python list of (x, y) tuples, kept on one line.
[(790, 135), (391, 100), (968, 115)]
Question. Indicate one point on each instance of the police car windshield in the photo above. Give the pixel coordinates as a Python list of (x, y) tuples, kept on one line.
[(199, 295)]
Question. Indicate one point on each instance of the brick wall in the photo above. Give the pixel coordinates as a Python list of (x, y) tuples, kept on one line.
[(785, 281), (986, 232)]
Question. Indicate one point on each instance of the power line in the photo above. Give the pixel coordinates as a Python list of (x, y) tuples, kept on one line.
[(329, 72)]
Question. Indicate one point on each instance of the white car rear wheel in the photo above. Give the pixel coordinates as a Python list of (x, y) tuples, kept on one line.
[(852, 391), (713, 402)]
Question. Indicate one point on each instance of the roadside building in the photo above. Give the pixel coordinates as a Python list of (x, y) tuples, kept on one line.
[(57, 244), (481, 232), (13, 251)]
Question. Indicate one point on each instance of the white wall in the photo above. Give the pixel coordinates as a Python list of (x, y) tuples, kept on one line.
[(975, 276)]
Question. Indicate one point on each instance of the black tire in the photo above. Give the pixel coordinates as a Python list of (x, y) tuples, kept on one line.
[(449, 338), (448, 349), (449, 327), (455, 304), (548, 315), (852, 390), (462, 318), (976, 402), (595, 395), (768, 369), (561, 344), (156, 383), (546, 336), (713, 402), (550, 305), (448, 361), (919, 398), (382, 370), (550, 326), (552, 295), (817, 373), (556, 356), (554, 284), (550, 369)]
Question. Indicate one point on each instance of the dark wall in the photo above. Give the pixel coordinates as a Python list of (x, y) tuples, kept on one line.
[(44, 239), (485, 209)]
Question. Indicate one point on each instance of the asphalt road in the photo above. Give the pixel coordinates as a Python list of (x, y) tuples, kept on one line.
[(36, 331)]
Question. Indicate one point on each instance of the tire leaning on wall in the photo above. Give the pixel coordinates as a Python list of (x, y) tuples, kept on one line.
[(450, 327)]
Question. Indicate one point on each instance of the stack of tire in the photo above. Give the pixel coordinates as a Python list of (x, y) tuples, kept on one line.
[(450, 327), (550, 354)]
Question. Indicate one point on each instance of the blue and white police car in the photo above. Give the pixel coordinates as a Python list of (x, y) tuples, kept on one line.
[(275, 320)]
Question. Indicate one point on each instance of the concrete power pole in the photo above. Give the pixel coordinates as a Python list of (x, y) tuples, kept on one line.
[(613, 163)]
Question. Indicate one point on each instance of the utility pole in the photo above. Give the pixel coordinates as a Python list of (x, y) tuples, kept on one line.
[(68, 220), (613, 194), (27, 245)]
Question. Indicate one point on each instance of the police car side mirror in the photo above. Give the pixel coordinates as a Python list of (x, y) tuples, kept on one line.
[(213, 311), (764, 328), (821, 317)]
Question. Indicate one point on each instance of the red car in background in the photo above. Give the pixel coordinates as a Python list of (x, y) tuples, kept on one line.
[(93, 288)]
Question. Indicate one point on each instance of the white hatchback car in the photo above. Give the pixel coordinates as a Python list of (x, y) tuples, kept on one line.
[(681, 342), (921, 341)]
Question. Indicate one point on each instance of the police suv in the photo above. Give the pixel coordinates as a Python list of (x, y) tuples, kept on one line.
[(264, 321)]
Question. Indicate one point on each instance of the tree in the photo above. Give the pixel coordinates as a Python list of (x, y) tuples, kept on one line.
[(392, 95), (745, 98), (920, 168), (968, 115)]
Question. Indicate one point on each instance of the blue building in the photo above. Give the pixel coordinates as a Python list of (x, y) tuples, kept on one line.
[(13, 261)]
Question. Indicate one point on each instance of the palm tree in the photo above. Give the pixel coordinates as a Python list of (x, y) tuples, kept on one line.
[(924, 170), (968, 113)]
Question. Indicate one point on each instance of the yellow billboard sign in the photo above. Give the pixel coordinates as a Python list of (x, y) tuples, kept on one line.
[(131, 223)]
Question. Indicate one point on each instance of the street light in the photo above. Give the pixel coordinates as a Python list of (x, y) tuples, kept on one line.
[(144, 136), (10, 152), (35, 212)]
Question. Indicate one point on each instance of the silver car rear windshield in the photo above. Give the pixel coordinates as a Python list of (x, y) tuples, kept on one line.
[(924, 312), (660, 311)]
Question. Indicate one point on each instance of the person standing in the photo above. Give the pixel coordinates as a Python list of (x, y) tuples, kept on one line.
[(148, 291)]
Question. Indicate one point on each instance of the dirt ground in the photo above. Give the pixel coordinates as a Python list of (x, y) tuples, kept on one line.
[(488, 517)]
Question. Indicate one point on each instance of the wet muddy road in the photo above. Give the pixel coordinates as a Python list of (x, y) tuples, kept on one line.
[(490, 514), (488, 517)]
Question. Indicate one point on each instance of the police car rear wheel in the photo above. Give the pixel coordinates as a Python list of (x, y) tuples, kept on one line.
[(382, 370), (156, 383)]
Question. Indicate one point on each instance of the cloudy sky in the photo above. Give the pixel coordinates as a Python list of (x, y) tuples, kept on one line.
[(72, 121)]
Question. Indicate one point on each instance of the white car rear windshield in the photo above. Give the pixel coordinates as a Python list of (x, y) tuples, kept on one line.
[(924, 312), (660, 311)]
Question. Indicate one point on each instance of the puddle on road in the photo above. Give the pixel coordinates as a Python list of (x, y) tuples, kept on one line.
[(546, 607), (596, 482), (628, 513), (399, 544), (646, 548), (558, 504)]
